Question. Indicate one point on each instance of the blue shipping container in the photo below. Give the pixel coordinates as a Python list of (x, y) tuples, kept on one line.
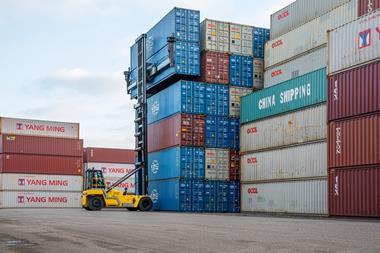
[(197, 196), (241, 71), (177, 162), (222, 132), (217, 100), (210, 196), (234, 197), (234, 134), (216, 197), (260, 37)]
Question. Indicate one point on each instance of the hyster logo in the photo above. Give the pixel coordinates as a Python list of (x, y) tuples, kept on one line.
[(104, 170), (252, 191), (277, 43), (252, 160), (336, 186), (276, 73), (252, 130), (19, 126), (365, 39), (283, 15), (20, 199), (21, 182), (155, 166), (155, 108), (338, 140)]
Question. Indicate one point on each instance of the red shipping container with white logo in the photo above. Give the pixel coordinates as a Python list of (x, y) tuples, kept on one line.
[(40, 182), (215, 67), (354, 92), (108, 155), (35, 145), (368, 6), (56, 199), (354, 191), (112, 170), (129, 184), (39, 128), (354, 142), (40, 164)]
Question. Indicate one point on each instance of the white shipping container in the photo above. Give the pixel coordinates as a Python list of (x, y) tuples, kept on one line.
[(217, 164), (40, 182), (294, 128), (258, 73), (299, 13), (129, 183), (298, 67), (215, 36), (21, 199), (39, 128), (355, 43), (299, 197), (111, 170), (235, 94), (303, 161), (241, 39), (311, 35)]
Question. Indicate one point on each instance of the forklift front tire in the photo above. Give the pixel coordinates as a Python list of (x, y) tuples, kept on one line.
[(95, 203), (145, 204)]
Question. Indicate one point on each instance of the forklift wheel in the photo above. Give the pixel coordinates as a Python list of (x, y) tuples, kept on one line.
[(145, 204), (95, 203), (132, 208)]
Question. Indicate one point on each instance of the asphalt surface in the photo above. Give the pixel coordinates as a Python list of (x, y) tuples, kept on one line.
[(77, 230)]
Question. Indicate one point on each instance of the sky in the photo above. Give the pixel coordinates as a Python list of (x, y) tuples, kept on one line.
[(64, 60)]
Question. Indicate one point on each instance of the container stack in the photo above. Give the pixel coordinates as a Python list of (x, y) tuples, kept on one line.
[(114, 163), (354, 117), (40, 164), (283, 126)]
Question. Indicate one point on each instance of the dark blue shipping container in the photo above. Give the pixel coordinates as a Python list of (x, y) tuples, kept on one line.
[(210, 196), (222, 196), (177, 162), (234, 134), (217, 100), (234, 197), (216, 196), (197, 196), (222, 132), (260, 37), (241, 71)]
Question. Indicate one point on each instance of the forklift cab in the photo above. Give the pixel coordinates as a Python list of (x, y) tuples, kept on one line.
[(94, 180)]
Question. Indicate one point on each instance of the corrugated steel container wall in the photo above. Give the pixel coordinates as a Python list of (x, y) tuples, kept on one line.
[(258, 73), (367, 6), (299, 13), (292, 95), (56, 199), (39, 128), (304, 161), (234, 165), (40, 164), (308, 36), (354, 142), (294, 128), (216, 196), (300, 197), (241, 71), (177, 162), (129, 183), (235, 94), (260, 38), (354, 192), (221, 132), (111, 170), (217, 99), (234, 132), (354, 92), (298, 67), (38, 182), (355, 43), (234, 197), (23, 144), (108, 155), (215, 67), (217, 164), (241, 39), (215, 36)]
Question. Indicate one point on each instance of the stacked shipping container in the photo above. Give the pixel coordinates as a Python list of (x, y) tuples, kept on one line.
[(354, 116), (40, 163)]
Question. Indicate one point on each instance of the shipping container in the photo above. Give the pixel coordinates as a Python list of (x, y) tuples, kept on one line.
[(297, 197), (39, 182), (36, 145), (177, 130), (368, 6), (354, 142), (258, 74), (215, 36), (354, 92), (235, 94), (216, 196), (217, 164), (288, 96), (56, 199), (177, 162), (111, 170), (354, 191), (128, 184), (219, 133), (355, 43), (39, 128), (298, 67), (217, 100), (308, 36), (260, 38), (40, 164), (234, 197), (197, 198), (108, 155), (299, 127), (215, 67), (241, 71), (299, 13), (234, 165), (241, 39), (234, 132), (303, 161)]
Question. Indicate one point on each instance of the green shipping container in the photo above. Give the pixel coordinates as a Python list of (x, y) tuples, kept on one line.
[(300, 92)]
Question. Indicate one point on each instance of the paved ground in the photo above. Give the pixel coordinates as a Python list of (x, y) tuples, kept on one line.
[(76, 231)]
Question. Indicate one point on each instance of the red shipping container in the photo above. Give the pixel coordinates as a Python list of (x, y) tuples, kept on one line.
[(354, 92), (177, 130), (108, 155), (354, 142), (215, 67), (354, 192), (40, 164), (367, 6), (234, 165), (35, 145)]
